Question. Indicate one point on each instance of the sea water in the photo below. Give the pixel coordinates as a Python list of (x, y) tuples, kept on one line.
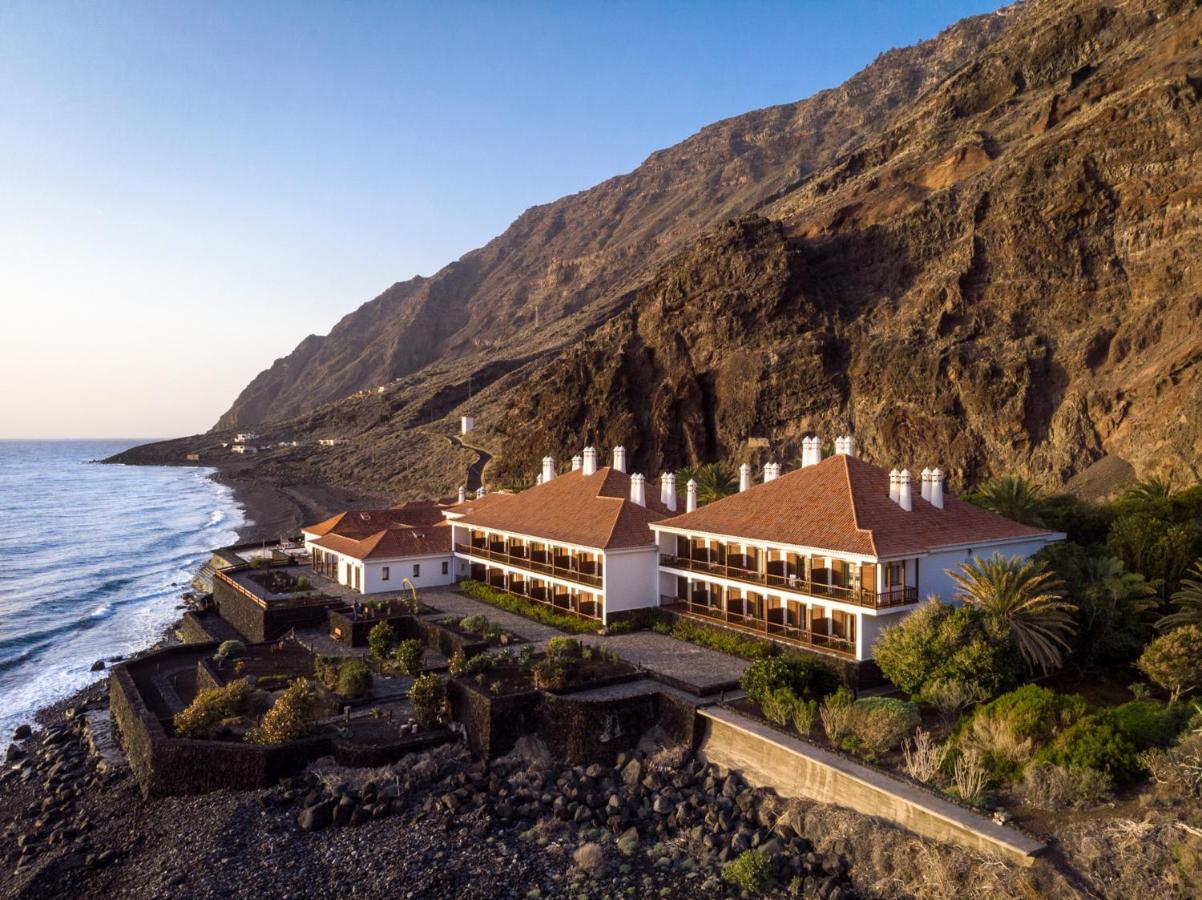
[(93, 559)]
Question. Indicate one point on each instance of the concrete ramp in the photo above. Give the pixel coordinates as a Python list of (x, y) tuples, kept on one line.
[(794, 768)]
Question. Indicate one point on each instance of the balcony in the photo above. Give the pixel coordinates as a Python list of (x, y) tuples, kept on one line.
[(541, 564), (796, 584), (714, 614)]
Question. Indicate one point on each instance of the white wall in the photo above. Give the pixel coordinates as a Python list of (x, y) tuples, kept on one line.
[(932, 570), (400, 569), (631, 579), (869, 628)]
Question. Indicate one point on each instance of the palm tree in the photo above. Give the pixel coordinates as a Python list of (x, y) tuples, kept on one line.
[(1150, 489), (1013, 497), (1188, 602), (1022, 597), (714, 481)]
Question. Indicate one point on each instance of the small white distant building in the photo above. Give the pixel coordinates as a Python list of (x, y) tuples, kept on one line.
[(329, 442), (466, 424), (245, 437), (244, 449)]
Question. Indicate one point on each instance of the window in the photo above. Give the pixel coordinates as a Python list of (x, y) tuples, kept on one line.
[(446, 567), (384, 573), (417, 570)]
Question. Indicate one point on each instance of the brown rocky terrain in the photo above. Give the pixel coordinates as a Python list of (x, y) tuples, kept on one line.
[(978, 252)]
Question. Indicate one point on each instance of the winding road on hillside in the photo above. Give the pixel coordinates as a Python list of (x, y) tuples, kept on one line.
[(475, 471)]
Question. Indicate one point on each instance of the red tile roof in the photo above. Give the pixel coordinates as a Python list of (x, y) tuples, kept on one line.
[(416, 528), (574, 508), (842, 504), (392, 543)]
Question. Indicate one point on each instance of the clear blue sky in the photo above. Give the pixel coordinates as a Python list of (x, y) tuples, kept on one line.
[(191, 188)]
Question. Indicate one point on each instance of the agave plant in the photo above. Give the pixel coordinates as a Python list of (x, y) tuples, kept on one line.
[(714, 481), (1187, 602), (1013, 497), (1025, 600)]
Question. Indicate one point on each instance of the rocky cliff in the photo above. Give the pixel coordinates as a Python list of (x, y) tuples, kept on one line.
[(979, 252)]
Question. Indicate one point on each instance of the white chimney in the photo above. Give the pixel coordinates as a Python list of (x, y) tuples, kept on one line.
[(845, 445), (775, 471), (771, 471), (894, 484), (539, 479), (905, 498), (619, 459), (936, 497), (590, 461), (638, 490), (817, 449), (548, 468), (926, 484), (462, 493), (667, 490), (479, 492), (577, 462), (690, 502), (839, 446), (744, 476), (807, 457)]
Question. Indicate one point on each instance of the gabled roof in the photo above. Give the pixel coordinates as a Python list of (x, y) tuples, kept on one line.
[(392, 543), (574, 508), (842, 504), (362, 522)]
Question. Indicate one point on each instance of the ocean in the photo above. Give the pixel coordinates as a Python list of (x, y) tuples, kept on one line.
[(93, 560)]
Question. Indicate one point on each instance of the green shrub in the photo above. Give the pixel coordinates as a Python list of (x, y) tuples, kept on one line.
[(939, 642), (799, 674), (750, 871), (302, 583), (563, 648), (1094, 742), (528, 608), (777, 705), (882, 723), (473, 624), (481, 662), (410, 655), (229, 650), (290, 717), (326, 670), (1007, 732), (550, 674), (622, 626), (1054, 787), (1148, 722), (804, 714), (210, 707), (1174, 661), (428, 697), (354, 679), (723, 641), (380, 639), (457, 664), (835, 713)]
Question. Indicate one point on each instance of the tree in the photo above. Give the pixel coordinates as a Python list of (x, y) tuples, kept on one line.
[(1013, 497), (1174, 661), (1188, 602), (714, 481), (1159, 549), (1023, 597), (1112, 612), (939, 645)]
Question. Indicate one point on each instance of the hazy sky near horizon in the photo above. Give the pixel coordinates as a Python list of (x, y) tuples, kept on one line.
[(189, 189)]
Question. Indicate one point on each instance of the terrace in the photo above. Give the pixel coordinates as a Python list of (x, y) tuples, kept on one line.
[(831, 583), (777, 623), (568, 600), (580, 566)]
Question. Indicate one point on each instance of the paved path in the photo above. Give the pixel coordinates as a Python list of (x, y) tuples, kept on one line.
[(698, 669), (475, 471)]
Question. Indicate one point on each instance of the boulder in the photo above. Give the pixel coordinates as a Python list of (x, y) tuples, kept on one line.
[(316, 817)]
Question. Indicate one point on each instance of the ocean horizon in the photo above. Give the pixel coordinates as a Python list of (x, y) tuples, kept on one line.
[(93, 561)]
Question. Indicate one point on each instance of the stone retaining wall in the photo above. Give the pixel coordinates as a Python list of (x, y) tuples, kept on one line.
[(796, 769), (257, 623)]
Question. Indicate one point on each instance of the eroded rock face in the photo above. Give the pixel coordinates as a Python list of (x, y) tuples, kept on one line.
[(977, 253), (1001, 281)]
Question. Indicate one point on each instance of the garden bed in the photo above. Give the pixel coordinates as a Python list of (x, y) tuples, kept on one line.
[(278, 581), (539, 612)]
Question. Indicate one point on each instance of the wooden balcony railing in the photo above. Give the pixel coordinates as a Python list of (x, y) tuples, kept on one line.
[(777, 630), (797, 584), (592, 579), (560, 602)]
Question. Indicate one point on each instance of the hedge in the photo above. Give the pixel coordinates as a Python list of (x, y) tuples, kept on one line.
[(528, 608)]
